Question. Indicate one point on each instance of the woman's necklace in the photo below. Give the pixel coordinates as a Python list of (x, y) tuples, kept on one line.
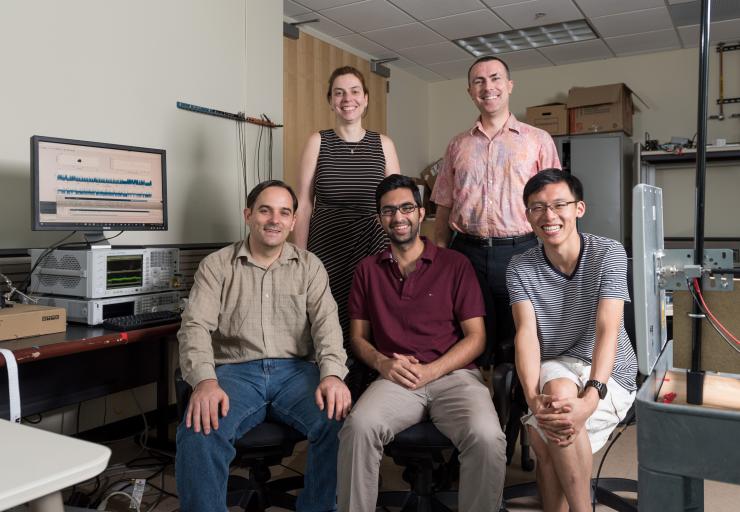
[(354, 147)]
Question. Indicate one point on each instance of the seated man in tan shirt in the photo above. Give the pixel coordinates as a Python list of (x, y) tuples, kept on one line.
[(260, 337)]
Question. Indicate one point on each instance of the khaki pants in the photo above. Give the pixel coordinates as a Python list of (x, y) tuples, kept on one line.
[(460, 406)]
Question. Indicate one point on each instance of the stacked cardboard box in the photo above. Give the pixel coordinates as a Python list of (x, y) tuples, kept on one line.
[(604, 108)]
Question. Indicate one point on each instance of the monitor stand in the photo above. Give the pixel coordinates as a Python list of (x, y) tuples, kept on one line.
[(96, 240)]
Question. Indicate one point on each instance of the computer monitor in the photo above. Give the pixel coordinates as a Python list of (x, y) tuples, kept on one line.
[(647, 252), (95, 187)]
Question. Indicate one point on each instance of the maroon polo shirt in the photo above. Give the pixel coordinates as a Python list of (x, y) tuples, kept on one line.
[(418, 315)]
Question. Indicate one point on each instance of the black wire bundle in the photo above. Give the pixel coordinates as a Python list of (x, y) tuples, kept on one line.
[(241, 142), (708, 316)]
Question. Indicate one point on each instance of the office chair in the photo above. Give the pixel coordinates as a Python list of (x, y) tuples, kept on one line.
[(265, 445), (429, 469), (511, 406), (428, 457)]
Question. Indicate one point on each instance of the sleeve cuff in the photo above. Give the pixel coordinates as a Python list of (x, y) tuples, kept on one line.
[(327, 368), (202, 372)]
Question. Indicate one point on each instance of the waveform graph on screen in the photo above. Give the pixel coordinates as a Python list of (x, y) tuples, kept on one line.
[(87, 185)]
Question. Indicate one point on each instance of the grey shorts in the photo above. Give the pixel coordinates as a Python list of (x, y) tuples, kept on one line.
[(610, 411)]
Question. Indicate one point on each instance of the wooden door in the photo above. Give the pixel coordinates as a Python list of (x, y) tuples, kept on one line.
[(307, 64)]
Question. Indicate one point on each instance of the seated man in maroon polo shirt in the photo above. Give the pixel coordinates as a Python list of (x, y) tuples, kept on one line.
[(416, 314)]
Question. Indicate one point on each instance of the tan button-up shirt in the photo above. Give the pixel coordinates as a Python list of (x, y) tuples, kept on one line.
[(239, 311)]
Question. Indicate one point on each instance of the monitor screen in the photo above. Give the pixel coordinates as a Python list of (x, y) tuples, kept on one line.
[(92, 186)]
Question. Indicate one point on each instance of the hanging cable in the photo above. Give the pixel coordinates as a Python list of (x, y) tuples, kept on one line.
[(697, 288), (711, 319)]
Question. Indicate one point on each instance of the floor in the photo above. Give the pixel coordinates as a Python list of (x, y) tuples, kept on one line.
[(621, 462)]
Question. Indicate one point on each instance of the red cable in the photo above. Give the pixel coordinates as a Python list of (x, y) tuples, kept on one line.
[(709, 313)]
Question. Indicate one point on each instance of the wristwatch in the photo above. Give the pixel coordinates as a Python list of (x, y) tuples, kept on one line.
[(600, 387)]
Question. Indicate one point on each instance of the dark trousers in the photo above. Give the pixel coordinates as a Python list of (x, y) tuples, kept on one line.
[(490, 267)]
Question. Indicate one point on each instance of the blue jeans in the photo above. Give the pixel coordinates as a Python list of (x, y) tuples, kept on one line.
[(282, 389)]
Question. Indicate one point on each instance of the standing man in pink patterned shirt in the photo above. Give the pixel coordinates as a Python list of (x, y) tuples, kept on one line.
[(479, 188)]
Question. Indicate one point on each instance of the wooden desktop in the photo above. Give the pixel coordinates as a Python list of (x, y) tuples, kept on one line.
[(86, 362)]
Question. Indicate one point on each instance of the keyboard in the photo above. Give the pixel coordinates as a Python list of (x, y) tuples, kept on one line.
[(141, 320)]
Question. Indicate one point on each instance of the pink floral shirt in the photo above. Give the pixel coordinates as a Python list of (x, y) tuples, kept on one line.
[(482, 179)]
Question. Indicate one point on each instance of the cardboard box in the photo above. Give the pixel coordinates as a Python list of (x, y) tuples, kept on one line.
[(604, 108), (23, 320), (553, 118)]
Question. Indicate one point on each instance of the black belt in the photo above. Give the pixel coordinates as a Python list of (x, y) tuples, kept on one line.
[(482, 241)]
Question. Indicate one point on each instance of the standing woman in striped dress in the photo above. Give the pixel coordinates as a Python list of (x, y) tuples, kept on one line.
[(339, 172)]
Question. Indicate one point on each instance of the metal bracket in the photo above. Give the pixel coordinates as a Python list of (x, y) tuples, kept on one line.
[(728, 101), (675, 266)]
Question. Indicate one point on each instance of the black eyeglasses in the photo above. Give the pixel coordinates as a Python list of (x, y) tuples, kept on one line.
[(558, 207), (405, 208)]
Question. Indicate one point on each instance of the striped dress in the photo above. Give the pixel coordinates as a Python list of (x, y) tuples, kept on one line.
[(344, 226)]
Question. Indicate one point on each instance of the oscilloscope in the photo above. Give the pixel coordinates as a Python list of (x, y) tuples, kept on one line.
[(104, 273)]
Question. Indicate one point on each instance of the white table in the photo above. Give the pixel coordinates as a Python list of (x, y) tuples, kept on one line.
[(36, 465)]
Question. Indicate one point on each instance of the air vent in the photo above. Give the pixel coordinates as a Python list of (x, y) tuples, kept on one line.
[(527, 38)]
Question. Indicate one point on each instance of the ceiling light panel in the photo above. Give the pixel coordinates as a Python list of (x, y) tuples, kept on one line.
[(527, 38)]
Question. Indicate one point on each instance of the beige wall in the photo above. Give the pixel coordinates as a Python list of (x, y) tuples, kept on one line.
[(408, 120), (113, 72), (666, 81)]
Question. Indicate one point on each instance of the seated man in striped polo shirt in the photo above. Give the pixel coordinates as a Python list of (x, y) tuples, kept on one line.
[(573, 356)]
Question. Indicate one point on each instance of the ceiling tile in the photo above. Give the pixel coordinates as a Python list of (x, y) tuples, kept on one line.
[(499, 3), (368, 15), (576, 52), (293, 9), (525, 59), (452, 69), (423, 73), (404, 36), (636, 22), (473, 23), (363, 44), (430, 54), (538, 12), (403, 63), (430, 9), (317, 5), (324, 24), (720, 31), (643, 43), (686, 14), (594, 8)]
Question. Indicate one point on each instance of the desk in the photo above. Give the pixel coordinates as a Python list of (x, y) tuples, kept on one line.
[(36, 465), (679, 446), (86, 362)]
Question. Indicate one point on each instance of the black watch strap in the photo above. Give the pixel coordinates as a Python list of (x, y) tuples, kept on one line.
[(600, 387)]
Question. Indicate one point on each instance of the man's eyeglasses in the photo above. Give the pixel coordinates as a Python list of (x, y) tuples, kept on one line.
[(540, 208), (405, 208)]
